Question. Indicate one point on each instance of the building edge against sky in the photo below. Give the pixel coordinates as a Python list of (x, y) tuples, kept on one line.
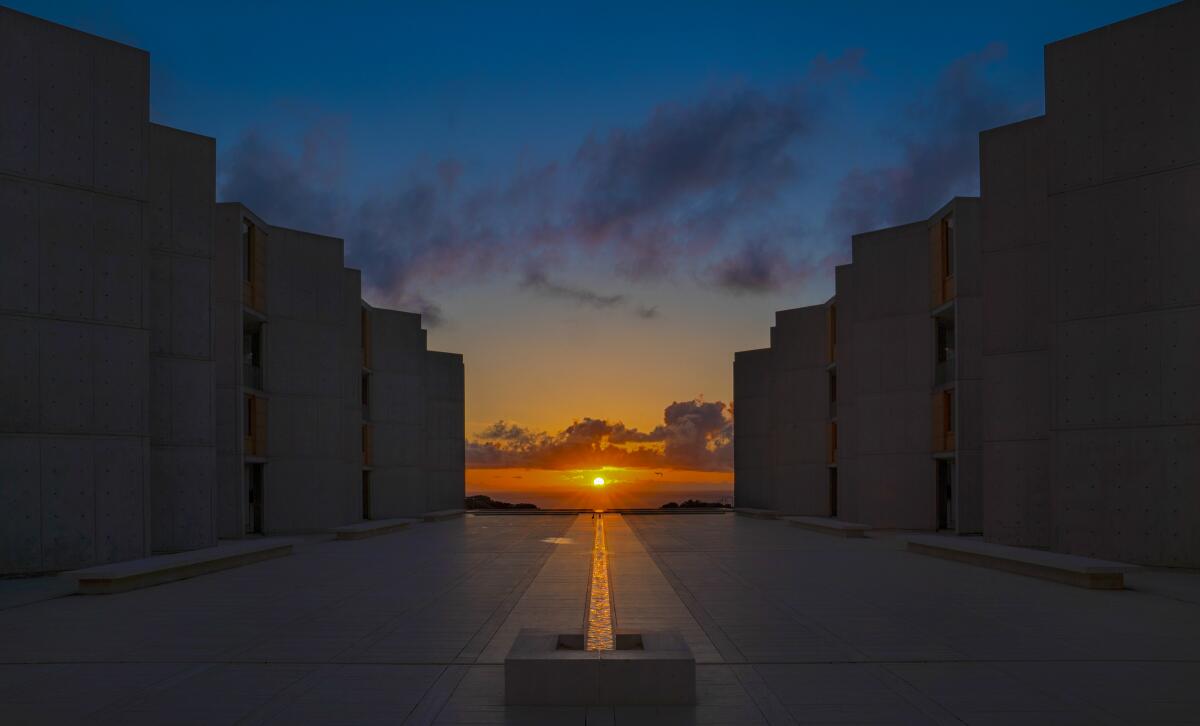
[(177, 371), (1049, 398)]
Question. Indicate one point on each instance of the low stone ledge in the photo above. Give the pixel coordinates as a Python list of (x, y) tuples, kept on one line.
[(830, 526), (1067, 569), (548, 669), (757, 513), (442, 514), (372, 528), (161, 569)]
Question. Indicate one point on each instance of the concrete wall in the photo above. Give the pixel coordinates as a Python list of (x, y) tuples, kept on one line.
[(754, 451), (888, 377), (352, 375), (1123, 141), (398, 416), (799, 405), (74, 328), (178, 229), (307, 473), (1017, 321), (445, 432)]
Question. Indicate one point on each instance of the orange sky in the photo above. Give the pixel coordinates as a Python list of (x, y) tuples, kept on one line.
[(573, 489)]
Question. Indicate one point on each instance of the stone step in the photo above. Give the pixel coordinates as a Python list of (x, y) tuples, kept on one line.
[(830, 526), (757, 513), (373, 528), (441, 514), (1067, 569), (160, 569)]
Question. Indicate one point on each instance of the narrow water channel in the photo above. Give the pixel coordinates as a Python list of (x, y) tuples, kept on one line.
[(599, 626)]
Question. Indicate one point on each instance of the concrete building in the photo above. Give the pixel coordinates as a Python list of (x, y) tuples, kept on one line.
[(323, 399), (1092, 305), (143, 342), (1058, 337), (866, 407)]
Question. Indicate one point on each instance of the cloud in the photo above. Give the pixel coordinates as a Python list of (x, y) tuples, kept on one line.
[(537, 281), (695, 435), (939, 149), (651, 199)]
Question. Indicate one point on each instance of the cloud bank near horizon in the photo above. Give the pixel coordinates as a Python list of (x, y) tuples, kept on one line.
[(696, 435)]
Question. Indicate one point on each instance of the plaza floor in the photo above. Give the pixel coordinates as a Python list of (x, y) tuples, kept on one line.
[(788, 626)]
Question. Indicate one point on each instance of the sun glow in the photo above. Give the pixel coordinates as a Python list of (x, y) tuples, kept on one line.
[(598, 481)]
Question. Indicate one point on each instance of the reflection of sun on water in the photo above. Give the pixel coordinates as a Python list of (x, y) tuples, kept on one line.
[(598, 482)]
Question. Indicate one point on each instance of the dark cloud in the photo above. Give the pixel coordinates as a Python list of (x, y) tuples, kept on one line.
[(694, 434), (940, 153), (646, 312), (536, 280)]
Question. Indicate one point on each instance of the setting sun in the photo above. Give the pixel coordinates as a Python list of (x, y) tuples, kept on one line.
[(598, 481)]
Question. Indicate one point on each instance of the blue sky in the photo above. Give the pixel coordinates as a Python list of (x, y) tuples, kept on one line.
[(602, 202)]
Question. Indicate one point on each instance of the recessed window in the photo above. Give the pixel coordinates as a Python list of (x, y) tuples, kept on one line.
[(247, 251)]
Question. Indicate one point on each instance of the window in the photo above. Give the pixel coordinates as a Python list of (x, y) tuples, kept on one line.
[(948, 246), (366, 396), (948, 411), (247, 251)]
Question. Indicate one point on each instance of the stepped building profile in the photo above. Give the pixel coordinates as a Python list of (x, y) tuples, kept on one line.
[(1022, 365), (174, 371)]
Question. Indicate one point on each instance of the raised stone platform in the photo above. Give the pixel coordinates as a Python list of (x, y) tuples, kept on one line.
[(442, 514), (1068, 569), (757, 513), (150, 571), (830, 526), (650, 668), (373, 528)]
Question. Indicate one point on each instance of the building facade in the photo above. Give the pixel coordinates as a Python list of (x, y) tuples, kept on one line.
[(173, 371), (1047, 334)]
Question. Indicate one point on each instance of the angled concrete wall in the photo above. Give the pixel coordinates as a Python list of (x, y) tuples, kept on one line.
[(178, 229), (74, 329), (445, 434), (1016, 335), (1123, 141), (307, 473), (889, 375), (397, 414), (800, 411), (353, 369), (754, 453)]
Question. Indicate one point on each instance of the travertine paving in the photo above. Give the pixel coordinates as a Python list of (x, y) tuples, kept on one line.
[(788, 626)]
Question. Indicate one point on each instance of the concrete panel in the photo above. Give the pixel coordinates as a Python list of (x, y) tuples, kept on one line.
[(1016, 492), (65, 73), (121, 360), (120, 481), (65, 218), (19, 373), (1108, 372), (1016, 300), (302, 495), (1127, 494), (182, 480), (19, 89), (191, 403), (1074, 119), (397, 492), (191, 307), (1178, 219), (122, 110), (1016, 396), (158, 302), (190, 169), (68, 503), (118, 258), (969, 491), (1178, 352), (1013, 200), (20, 503), (19, 253), (67, 376)]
